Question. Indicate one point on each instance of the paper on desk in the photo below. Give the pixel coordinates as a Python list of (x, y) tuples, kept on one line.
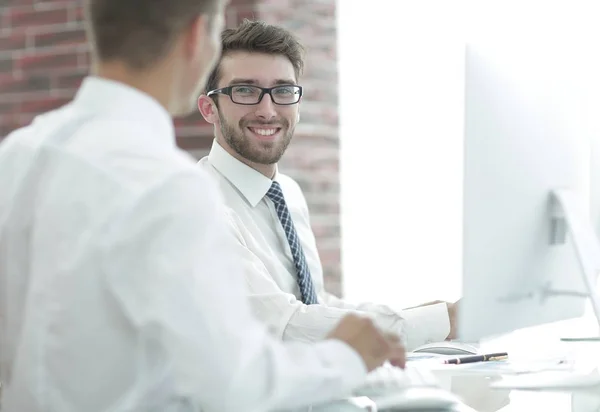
[(502, 367), (434, 363)]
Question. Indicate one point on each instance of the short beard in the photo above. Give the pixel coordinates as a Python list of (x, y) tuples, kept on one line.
[(236, 139)]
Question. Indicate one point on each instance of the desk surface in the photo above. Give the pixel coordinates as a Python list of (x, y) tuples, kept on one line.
[(540, 342), (532, 343)]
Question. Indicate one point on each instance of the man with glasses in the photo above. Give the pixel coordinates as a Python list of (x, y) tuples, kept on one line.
[(253, 100)]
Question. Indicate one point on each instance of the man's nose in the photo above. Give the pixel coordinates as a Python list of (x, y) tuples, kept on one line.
[(265, 109)]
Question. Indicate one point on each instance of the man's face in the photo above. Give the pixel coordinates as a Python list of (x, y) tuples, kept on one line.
[(262, 132)]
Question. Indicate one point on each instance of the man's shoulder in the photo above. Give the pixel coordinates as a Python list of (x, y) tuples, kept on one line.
[(24, 135), (178, 193), (171, 171), (136, 155), (110, 149)]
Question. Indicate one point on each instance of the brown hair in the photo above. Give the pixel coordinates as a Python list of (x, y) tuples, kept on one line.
[(259, 37), (140, 32)]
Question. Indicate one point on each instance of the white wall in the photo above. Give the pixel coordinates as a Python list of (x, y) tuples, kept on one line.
[(401, 109)]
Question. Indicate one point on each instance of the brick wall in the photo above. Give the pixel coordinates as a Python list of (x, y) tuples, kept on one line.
[(43, 57)]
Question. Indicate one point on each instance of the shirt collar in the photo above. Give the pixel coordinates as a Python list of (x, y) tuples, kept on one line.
[(252, 184), (101, 95)]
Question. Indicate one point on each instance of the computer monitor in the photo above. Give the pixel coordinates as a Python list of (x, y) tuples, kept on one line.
[(530, 254)]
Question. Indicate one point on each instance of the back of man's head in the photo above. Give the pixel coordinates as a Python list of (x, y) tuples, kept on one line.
[(140, 32), (259, 37)]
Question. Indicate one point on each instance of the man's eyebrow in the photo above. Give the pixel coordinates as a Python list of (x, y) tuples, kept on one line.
[(285, 81), (252, 81), (243, 81)]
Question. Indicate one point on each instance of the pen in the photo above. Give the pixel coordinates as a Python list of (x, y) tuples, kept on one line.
[(477, 358), (582, 339)]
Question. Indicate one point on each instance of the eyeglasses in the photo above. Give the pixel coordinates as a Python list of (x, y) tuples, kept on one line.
[(248, 94)]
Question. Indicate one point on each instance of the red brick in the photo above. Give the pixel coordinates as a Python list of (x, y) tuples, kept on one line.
[(193, 132), (84, 60), (235, 15), (313, 113), (8, 3), (77, 14), (333, 279), (319, 91), (28, 17), (7, 108), (69, 80), (57, 37), (10, 41), (326, 228), (187, 128), (11, 84), (194, 118), (44, 103), (4, 22), (245, 3), (193, 142), (330, 255), (41, 61), (6, 64), (10, 122), (55, 3), (5, 128)]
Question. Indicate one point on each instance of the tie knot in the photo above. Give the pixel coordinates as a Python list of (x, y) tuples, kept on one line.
[(275, 193)]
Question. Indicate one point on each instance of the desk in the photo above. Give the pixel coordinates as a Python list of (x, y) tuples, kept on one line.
[(539, 342), (531, 343), (340, 407)]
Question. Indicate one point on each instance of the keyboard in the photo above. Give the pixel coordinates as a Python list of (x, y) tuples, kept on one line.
[(412, 388), (388, 378)]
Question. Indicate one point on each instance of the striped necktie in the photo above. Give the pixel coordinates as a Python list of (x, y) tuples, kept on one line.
[(307, 289)]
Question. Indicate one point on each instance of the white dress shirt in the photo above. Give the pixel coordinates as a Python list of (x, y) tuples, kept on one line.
[(117, 287), (269, 266)]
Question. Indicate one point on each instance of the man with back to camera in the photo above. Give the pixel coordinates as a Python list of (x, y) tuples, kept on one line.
[(117, 287), (252, 99)]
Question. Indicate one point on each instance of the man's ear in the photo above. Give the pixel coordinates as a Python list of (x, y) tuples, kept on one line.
[(195, 38), (208, 109)]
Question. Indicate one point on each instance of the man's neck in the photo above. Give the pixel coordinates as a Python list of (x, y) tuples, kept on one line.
[(152, 82), (267, 170)]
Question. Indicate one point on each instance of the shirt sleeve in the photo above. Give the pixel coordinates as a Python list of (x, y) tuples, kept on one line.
[(420, 325), (171, 270)]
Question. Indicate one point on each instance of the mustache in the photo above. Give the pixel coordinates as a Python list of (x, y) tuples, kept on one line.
[(277, 123)]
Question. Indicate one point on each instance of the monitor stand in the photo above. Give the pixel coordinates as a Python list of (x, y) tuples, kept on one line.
[(569, 216)]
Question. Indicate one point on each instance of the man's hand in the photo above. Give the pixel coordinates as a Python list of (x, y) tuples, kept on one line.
[(373, 346), (452, 315)]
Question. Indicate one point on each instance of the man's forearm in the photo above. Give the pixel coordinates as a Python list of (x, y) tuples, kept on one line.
[(417, 326)]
